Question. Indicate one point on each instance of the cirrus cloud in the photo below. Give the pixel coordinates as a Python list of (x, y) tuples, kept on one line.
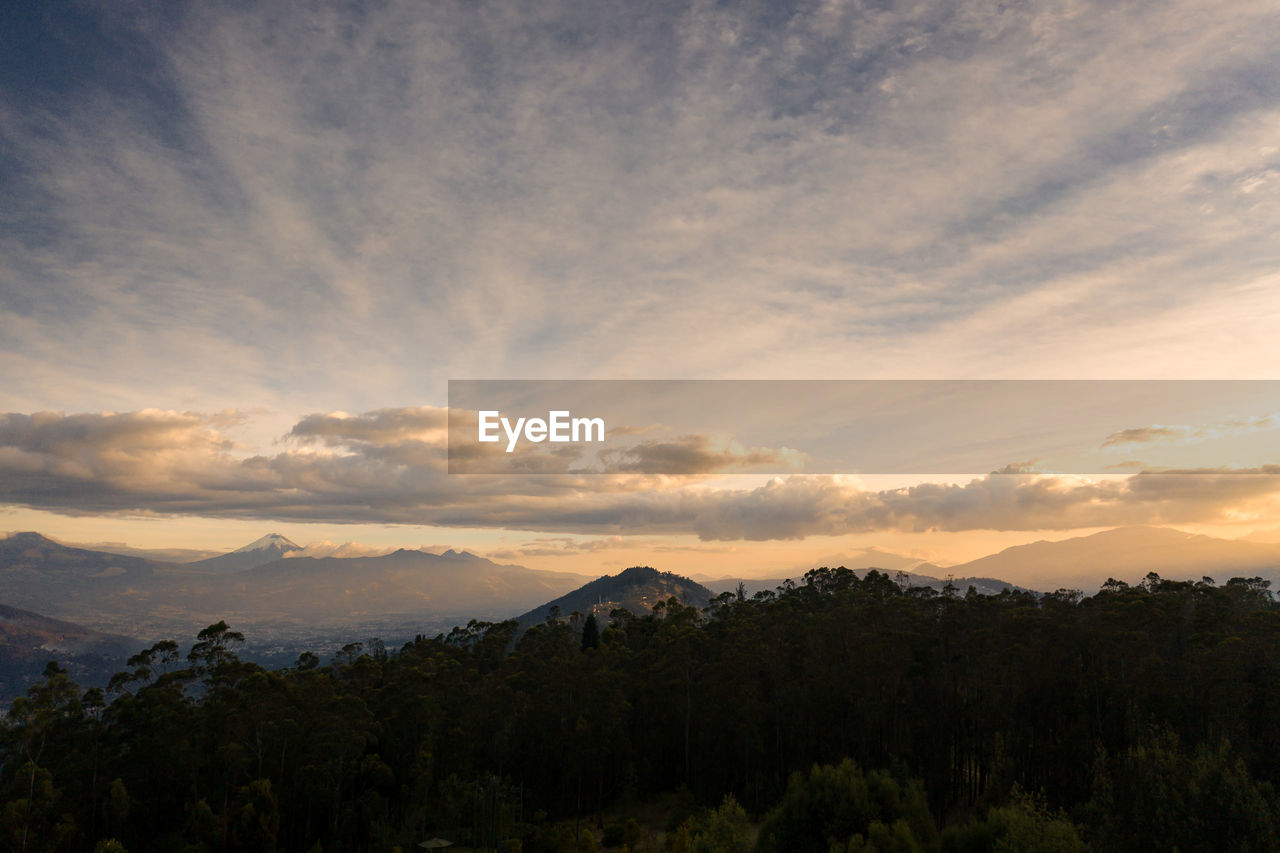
[(1158, 434), (679, 189)]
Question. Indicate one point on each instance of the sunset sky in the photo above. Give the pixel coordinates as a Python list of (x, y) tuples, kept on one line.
[(244, 247)]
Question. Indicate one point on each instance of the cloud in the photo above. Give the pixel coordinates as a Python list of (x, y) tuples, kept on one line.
[(325, 548), (1026, 467), (628, 430), (1143, 435), (145, 448), (699, 454), (405, 436), (1158, 434), (426, 424), (1127, 465), (562, 546), (174, 463), (565, 546)]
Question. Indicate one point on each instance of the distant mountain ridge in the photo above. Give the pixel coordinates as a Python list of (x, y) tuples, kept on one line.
[(402, 582), (1128, 554), (1086, 562)]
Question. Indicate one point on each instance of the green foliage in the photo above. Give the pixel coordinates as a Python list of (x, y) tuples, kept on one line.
[(258, 818), (203, 829), (1023, 825), (590, 632), (680, 841), (632, 835), (882, 838), (31, 818), (839, 806), (1158, 795), (726, 830), (116, 808)]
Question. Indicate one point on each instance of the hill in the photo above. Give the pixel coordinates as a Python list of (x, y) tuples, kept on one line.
[(49, 577), (635, 589), (28, 641)]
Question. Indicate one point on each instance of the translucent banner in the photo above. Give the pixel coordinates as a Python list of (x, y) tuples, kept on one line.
[(716, 427)]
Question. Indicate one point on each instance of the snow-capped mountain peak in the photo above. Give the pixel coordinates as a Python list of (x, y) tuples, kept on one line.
[(271, 540)]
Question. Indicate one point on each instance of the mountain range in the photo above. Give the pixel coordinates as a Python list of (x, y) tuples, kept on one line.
[(1128, 554), (136, 595), (261, 584), (1087, 562)]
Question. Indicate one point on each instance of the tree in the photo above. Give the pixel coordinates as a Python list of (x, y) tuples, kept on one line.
[(213, 646), (1023, 825), (727, 830), (590, 633), (1158, 795), (834, 805)]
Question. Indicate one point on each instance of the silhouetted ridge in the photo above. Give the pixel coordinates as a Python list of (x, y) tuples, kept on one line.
[(22, 541), (635, 589)]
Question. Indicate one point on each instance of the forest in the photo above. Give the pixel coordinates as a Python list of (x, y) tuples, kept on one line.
[(836, 713)]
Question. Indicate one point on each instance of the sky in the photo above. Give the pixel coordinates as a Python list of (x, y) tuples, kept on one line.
[(244, 247)]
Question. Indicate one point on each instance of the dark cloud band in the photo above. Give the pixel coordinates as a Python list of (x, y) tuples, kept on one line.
[(389, 466)]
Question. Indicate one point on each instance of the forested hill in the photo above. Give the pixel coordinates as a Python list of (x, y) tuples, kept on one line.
[(1140, 718), (636, 589), (982, 585)]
